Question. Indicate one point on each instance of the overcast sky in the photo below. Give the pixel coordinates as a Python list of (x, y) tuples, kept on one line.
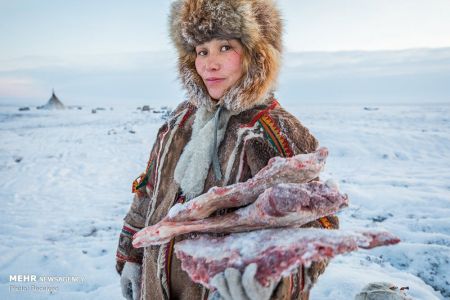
[(44, 27), (50, 33)]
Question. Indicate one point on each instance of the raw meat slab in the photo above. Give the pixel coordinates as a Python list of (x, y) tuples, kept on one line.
[(297, 169), (277, 252)]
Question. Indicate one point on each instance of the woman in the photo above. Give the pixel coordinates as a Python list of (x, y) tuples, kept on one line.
[(228, 58)]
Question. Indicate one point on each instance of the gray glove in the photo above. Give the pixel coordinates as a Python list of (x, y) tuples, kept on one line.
[(130, 281), (382, 291), (231, 285)]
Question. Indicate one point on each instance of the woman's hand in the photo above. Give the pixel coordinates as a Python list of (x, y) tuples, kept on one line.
[(130, 281), (231, 285)]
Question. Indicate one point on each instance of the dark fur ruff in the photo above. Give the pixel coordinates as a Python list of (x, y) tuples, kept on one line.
[(256, 23)]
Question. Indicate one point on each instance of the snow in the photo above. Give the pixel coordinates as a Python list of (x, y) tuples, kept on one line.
[(66, 185), (63, 203)]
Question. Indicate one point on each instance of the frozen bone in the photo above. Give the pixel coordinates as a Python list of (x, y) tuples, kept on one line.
[(283, 205)]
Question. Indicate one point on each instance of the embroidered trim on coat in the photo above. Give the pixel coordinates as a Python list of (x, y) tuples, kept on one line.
[(275, 136), (123, 258), (128, 231), (126, 235), (326, 223), (261, 113)]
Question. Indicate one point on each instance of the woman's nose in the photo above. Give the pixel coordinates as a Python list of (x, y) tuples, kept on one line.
[(212, 63)]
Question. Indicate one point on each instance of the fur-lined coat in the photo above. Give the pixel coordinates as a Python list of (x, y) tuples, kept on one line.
[(252, 128), (249, 140)]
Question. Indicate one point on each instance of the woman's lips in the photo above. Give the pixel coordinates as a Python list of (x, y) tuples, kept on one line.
[(214, 80)]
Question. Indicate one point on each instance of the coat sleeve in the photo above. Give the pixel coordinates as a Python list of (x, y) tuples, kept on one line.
[(292, 138), (136, 216), (134, 220)]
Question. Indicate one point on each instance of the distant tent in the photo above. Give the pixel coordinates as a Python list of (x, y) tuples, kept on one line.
[(53, 103)]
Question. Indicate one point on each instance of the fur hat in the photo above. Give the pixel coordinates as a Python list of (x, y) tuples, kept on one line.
[(256, 23)]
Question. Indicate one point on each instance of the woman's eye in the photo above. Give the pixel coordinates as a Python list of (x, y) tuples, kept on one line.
[(201, 53), (225, 48)]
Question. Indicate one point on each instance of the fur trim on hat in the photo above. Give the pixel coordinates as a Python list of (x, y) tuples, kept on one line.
[(256, 23)]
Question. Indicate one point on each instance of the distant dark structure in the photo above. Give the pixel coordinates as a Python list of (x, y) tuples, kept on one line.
[(53, 103)]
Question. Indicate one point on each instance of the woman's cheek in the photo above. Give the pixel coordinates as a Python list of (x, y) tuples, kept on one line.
[(235, 64), (198, 67)]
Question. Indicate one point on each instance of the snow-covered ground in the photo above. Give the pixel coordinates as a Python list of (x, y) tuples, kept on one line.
[(66, 179)]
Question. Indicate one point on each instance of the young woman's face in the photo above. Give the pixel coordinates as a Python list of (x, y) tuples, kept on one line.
[(219, 64)]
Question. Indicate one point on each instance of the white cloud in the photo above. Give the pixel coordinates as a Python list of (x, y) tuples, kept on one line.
[(20, 87)]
